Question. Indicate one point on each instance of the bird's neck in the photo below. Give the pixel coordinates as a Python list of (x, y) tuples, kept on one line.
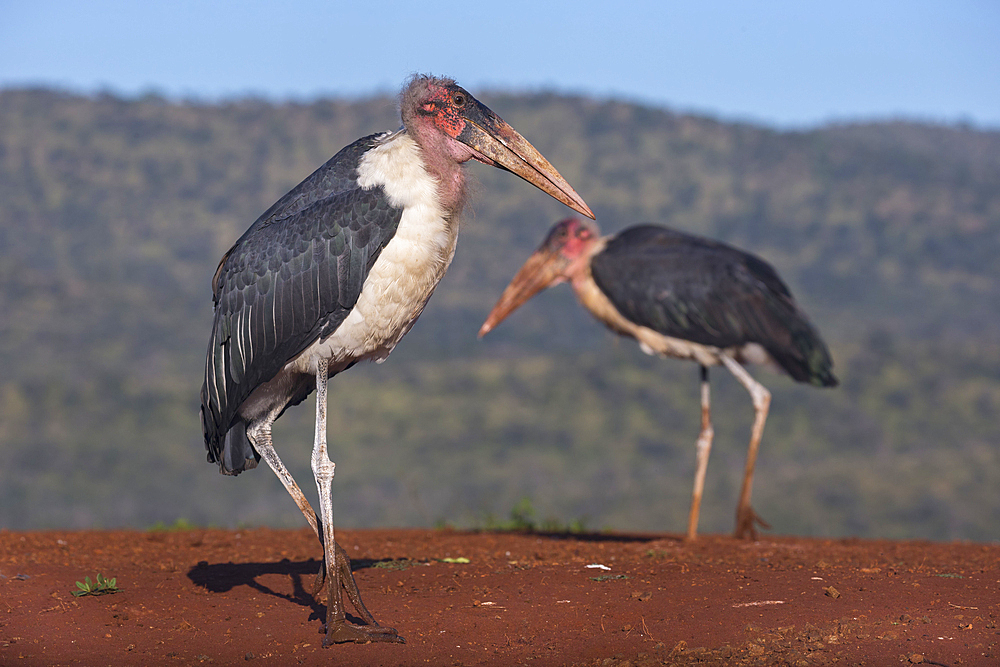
[(594, 300), (399, 167), (442, 158), (578, 272)]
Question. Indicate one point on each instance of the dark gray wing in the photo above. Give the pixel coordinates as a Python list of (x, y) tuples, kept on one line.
[(338, 175), (704, 291), (291, 278)]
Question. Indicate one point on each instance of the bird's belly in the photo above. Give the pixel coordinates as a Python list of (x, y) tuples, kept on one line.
[(269, 398), (653, 342), (394, 294), (754, 353)]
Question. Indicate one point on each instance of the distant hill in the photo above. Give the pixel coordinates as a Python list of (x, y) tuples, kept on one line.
[(116, 211)]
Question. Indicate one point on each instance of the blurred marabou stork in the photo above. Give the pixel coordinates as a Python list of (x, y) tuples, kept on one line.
[(336, 272), (686, 297)]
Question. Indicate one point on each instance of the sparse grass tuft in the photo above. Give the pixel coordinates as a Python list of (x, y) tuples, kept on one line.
[(522, 518), (176, 526), (102, 587)]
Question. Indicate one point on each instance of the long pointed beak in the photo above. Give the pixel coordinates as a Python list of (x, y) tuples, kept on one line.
[(543, 269), (503, 147)]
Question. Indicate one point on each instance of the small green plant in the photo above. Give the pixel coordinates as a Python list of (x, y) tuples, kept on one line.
[(400, 564), (522, 516), (102, 587), (176, 526), (523, 519)]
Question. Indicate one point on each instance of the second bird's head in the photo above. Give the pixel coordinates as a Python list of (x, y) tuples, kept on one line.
[(563, 256)]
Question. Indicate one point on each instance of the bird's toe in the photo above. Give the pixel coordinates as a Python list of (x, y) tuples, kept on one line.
[(747, 521), (342, 632)]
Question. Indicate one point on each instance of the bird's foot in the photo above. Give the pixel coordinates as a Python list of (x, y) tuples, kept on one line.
[(340, 632), (747, 522)]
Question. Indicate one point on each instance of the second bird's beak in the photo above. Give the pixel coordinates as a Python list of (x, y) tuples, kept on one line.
[(543, 269), (500, 143)]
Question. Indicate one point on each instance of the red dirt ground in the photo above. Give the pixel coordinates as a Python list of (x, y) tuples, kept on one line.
[(228, 597)]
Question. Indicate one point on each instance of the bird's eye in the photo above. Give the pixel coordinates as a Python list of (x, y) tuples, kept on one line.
[(458, 100)]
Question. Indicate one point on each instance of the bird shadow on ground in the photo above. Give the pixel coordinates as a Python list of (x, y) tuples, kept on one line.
[(223, 577)]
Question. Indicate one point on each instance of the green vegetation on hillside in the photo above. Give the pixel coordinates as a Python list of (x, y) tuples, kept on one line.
[(117, 211)]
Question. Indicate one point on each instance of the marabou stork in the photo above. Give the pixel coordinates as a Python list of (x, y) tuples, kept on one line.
[(336, 272), (686, 297)]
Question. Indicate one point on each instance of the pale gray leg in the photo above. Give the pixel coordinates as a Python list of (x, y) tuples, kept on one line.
[(260, 436), (746, 519), (704, 448), (338, 568)]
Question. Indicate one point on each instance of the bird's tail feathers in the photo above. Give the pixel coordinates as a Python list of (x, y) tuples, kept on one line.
[(237, 452), (807, 359)]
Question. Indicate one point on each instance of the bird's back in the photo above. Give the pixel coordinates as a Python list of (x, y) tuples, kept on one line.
[(696, 289)]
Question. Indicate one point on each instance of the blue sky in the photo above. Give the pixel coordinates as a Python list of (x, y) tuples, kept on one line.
[(787, 64)]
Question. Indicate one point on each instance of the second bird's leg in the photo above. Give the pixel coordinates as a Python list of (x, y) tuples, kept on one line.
[(704, 448), (338, 568), (746, 519)]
